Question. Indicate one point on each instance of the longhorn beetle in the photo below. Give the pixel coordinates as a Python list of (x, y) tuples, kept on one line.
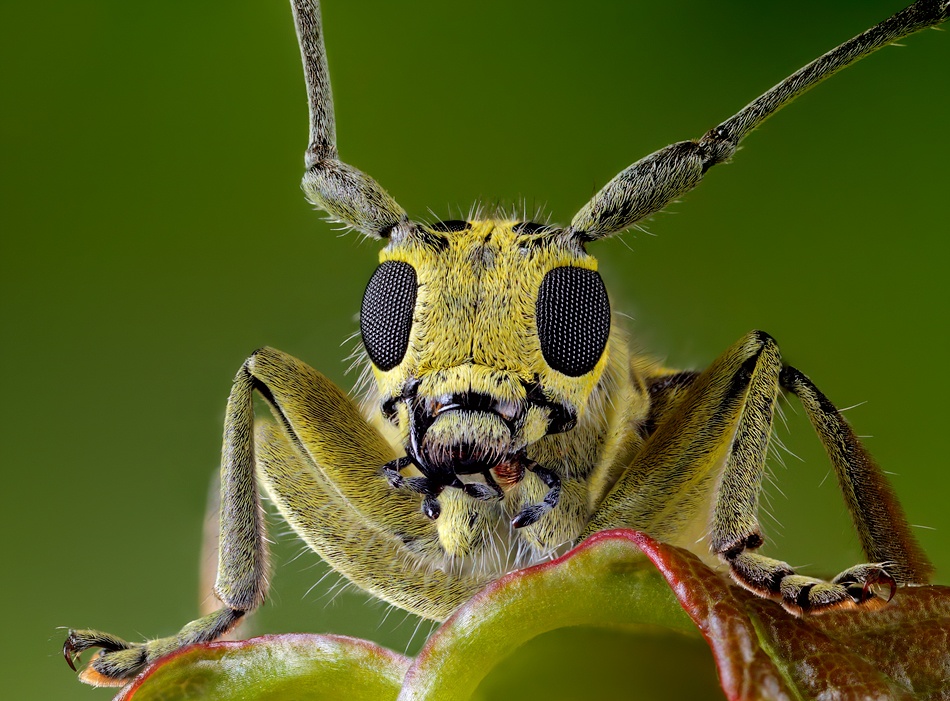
[(507, 418)]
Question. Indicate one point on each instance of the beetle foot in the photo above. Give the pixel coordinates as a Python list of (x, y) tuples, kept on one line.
[(857, 587), (865, 582), (78, 641), (808, 596), (118, 660)]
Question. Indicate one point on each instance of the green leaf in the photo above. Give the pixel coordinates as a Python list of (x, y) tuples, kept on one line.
[(607, 582), (273, 668), (620, 616), (900, 651)]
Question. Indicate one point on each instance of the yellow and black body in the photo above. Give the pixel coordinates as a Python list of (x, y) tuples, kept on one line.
[(505, 418)]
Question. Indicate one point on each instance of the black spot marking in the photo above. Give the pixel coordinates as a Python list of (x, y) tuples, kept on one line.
[(529, 227), (437, 242), (666, 383), (450, 226), (560, 418)]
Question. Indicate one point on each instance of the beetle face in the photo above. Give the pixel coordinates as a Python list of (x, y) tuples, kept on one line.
[(484, 337)]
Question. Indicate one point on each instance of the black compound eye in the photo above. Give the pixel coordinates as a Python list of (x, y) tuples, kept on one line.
[(573, 315), (386, 313)]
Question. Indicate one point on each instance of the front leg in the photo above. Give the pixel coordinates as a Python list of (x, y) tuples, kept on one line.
[(381, 563), (242, 559), (882, 527), (325, 435), (709, 447)]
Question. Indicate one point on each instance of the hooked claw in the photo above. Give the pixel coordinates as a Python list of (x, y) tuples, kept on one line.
[(78, 641)]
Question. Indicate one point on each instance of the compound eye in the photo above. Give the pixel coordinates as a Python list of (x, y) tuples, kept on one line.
[(386, 313), (573, 315)]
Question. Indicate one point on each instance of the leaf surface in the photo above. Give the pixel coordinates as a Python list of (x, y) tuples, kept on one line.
[(273, 668), (620, 616)]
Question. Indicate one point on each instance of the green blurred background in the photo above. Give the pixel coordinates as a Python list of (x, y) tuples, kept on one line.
[(154, 234)]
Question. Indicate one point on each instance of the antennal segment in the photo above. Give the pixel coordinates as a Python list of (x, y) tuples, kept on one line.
[(651, 183), (344, 192)]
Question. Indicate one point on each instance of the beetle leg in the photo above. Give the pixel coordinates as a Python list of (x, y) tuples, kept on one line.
[(878, 517), (118, 660), (672, 478), (242, 558), (322, 424), (330, 440), (709, 446), (376, 560)]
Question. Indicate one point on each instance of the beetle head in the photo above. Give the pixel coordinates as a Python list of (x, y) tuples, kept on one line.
[(484, 337)]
